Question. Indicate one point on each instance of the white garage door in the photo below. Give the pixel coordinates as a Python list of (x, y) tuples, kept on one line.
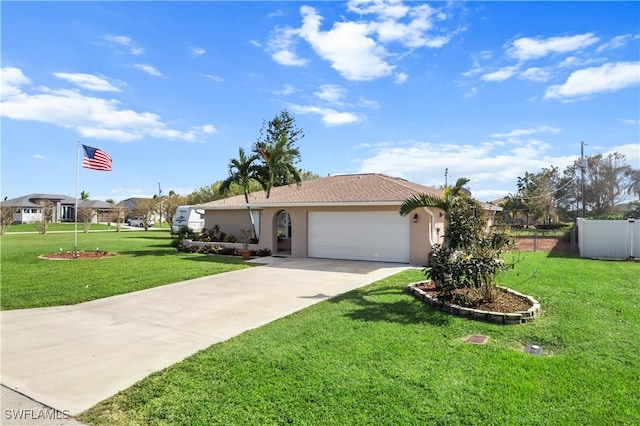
[(379, 236)]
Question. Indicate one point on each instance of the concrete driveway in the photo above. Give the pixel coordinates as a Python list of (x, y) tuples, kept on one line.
[(72, 357)]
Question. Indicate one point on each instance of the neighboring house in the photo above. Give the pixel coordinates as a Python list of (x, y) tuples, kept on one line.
[(29, 208), (339, 217), (130, 205)]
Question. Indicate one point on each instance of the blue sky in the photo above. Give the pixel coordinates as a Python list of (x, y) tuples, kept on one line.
[(171, 90)]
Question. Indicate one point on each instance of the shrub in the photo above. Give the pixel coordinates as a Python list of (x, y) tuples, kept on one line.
[(470, 256)]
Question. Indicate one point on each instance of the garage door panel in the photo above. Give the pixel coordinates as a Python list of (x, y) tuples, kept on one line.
[(381, 236)]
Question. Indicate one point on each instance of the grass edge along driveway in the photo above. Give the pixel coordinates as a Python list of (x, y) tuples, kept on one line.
[(145, 260), (378, 356)]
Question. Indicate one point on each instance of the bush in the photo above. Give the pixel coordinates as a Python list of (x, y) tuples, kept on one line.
[(470, 256)]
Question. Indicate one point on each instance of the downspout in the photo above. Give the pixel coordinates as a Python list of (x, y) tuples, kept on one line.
[(432, 227)]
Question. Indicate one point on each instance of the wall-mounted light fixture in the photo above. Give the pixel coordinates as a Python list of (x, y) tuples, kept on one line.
[(415, 217)]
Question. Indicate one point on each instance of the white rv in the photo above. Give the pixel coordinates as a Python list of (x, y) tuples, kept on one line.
[(188, 216)]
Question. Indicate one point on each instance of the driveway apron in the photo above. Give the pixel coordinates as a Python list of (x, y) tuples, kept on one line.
[(72, 357)]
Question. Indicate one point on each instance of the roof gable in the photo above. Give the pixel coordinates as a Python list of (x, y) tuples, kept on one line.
[(371, 189)]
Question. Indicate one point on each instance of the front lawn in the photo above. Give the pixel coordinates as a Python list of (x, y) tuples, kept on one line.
[(145, 259), (377, 356)]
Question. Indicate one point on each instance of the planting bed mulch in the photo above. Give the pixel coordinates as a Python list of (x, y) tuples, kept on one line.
[(69, 255), (504, 302)]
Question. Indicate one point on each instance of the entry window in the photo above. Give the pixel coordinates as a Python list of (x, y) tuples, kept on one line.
[(284, 225)]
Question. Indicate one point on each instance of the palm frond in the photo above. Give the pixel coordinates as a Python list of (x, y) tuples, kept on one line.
[(422, 200)]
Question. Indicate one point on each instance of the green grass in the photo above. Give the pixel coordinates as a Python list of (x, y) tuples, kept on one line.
[(377, 356), (70, 227), (145, 259)]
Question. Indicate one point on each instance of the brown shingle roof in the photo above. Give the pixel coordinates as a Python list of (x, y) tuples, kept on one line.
[(337, 190)]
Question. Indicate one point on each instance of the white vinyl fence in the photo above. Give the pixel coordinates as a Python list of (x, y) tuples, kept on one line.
[(609, 239)]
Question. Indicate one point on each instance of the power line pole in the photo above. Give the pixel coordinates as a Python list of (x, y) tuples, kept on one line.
[(160, 199), (583, 165)]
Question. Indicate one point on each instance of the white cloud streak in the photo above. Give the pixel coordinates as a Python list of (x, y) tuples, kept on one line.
[(87, 81), (329, 116), (358, 49), (149, 69), (529, 48), (89, 116), (609, 77)]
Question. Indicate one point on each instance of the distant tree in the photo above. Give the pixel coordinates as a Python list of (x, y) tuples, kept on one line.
[(85, 215), (242, 171), (278, 153), (205, 194), (46, 215), (7, 216), (633, 211), (119, 214), (84, 195), (512, 206), (608, 180), (170, 204), (145, 209), (537, 193), (307, 175)]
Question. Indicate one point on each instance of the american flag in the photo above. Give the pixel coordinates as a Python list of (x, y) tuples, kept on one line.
[(96, 159)]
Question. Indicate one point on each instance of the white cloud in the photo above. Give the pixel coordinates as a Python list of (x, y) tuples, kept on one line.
[(39, 157), (329, 116), (368, 103), (287, 90), (528, 48), (87, 81), (401, 78), (617, 42), (525, 132), (357, 49), (213, 77), (492, 167), (608, 77), (90, 116), (281, 47), (536, 74), (347, 46), (197, 51), (331, 93), (149, 69), (208, 129), (124, 41), (501, 74)]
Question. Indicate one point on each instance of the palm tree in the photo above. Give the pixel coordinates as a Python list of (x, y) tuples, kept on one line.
[(278, 153), (242, 171), (434, 201), (278, 163), (84, 195)]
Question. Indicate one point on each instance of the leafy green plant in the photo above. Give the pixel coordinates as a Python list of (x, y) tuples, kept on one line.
[(470, 256)]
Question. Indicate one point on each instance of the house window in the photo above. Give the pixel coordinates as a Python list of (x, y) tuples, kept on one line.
[(284, 224)]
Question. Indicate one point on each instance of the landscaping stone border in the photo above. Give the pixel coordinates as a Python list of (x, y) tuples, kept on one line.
[(475, 314)]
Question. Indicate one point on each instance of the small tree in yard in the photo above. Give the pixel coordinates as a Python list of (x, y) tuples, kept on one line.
[(470, 256), (7, 215), (145, 209), (85, 215), (46, 216)]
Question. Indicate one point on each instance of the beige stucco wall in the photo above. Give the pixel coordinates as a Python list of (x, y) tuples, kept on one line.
[(233, 221), (230, 221)]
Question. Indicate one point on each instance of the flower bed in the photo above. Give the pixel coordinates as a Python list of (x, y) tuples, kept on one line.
[(517, 317)]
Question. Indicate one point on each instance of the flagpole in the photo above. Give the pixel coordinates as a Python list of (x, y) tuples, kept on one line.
[(75, 232)]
